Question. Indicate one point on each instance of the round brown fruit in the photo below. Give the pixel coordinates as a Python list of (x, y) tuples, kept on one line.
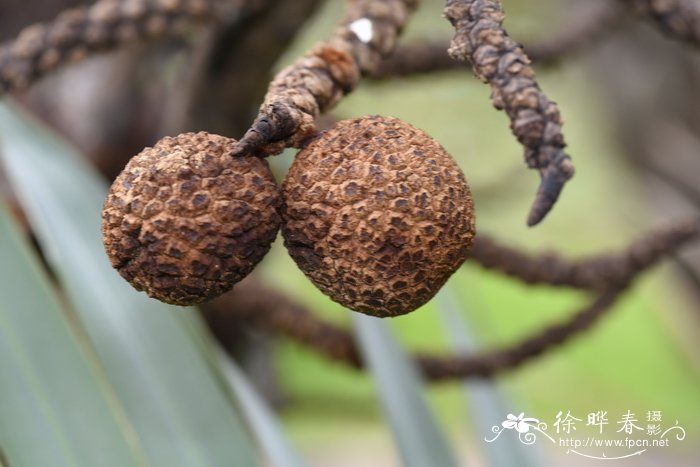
[(377, 214), (185, 221)]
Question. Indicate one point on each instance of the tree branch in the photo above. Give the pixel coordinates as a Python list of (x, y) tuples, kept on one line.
[(581, 30), (679, 19), (489, 363), (106, 25), (597, 272), (319, 79), (481, 41), (266, 309)]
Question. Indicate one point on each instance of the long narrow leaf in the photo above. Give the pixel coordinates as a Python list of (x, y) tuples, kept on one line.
[(176, 404), (276, 447), (54, 409), (3, 459), (488, 405), (274, 443), (419, 439)]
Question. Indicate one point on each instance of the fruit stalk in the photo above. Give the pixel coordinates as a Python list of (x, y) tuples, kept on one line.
[(319, 79)]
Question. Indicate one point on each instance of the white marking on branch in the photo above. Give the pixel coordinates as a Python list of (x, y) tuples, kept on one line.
[(362, 29)]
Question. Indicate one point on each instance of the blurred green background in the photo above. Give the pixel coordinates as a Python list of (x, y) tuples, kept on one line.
[(641, 357)]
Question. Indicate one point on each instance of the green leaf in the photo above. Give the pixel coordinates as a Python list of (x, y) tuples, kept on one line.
[(180, 411), (420, 441), (487, 404), (275, 446), (53, 399), (274, 443), (3, 459)]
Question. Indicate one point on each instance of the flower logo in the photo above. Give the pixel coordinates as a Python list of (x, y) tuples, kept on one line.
[(519, 423)]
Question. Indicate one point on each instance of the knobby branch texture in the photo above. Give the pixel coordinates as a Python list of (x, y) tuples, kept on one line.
[(489, 363), (581, 29), (679, 19), (318, 80), (497, 59), (597, 272), (268, 310), (106, 25), (253, 304)]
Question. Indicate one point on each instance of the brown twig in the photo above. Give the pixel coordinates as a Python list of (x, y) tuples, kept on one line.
[(679, 19), (16, 15), (319, 79), (481, 41), (489, 363), (417, 58), (598, 272), (581, 30), (106, 25), (258, 306), (584, 26), (266, 309), (668, 172), (689, 271), (271, 311)]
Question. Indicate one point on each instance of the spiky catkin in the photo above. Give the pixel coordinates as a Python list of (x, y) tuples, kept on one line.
[(497, 59), (597, 272), (579, 31), (106, 25), (319, 79), (679, 19)]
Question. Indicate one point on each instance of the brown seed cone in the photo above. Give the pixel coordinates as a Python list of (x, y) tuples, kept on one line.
[(185, 221), (377, 214)]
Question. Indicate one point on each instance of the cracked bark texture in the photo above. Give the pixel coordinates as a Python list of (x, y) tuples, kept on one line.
[(318, 80), (679, 19), (497, 59), (106, 25)]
